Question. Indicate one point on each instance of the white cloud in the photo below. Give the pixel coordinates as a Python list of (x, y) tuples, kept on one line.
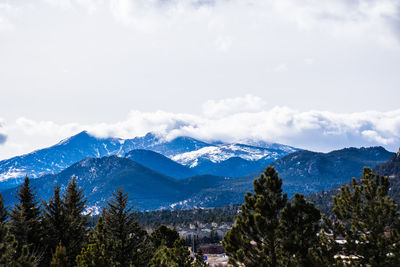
[(231, 120), (229, 106), (309, 61), (281, 68), (166, 55), (3, 135), (223, 43)]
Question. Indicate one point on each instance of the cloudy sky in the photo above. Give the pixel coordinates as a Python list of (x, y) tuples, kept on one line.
[(315, 74)]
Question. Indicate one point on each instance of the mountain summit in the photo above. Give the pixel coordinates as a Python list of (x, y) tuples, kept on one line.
[(185, 150)]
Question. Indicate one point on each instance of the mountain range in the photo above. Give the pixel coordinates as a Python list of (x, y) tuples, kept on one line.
[(390, 168), (200, 157), (154, 181)]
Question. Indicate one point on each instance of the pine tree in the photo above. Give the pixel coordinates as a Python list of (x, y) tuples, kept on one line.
[(59, 258), (75, 222), (369, 220), (93, 256), (254, 239), (199, 261), (26, 219), (26, 259), (3, 210), (124, 233), (55, 222), (8, 245), (299, 224), (164, 257), (164, 235), (99, 234), (182, 253), (177, 256), (326, 250)]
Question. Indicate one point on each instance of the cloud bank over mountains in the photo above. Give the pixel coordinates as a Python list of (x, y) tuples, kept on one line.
[(305, 69), (332, 55), (229, 120)]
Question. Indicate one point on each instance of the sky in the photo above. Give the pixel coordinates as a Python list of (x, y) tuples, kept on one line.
[(314, 74)]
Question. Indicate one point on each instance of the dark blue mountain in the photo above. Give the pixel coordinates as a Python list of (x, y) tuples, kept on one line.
[(390, 168), (99, 177), (160, 163), (321, 171), (184, 150), (56, 158), (303, 172), (232, 167)]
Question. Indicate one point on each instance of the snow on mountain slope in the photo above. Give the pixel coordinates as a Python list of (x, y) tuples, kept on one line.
[(220, 153), (185, 150)]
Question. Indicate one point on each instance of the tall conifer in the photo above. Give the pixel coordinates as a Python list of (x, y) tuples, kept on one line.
[(75, 221), (26, 223), (300, 225), (55, 222), (254, 240), (8, 245), (3, 210), (128, 238), (369, 220)]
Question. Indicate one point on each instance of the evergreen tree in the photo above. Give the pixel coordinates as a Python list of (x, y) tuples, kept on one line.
[(3, 210), (199, 261), (182, 253), (164, 257), (8, 245), (75, 233), (99, 234), (324, 254), (124, 233), (299, 229), (26, 219), (26, 259), (177, 256), (59, 258), (369, 220), (55, 222), (254, 240), (93, 256), (164, 235)]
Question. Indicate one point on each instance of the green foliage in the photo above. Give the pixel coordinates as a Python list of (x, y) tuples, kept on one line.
[(26, 223), (75, 233), (323, 254), (128, 241), (25, 259), (59, 258), (93, 256), (179, 217), (164, 257), (164, 235), (369, 220), (99, 234), (3, 210), (8, 245), (254, 240), (199, 260), (176, 256), (55, 223), (299, 224)]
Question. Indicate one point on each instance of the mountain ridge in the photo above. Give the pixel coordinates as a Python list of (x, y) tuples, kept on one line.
[(53, 159), (151, 189)]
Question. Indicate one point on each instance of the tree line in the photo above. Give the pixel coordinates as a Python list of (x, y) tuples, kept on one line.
[(184, 218), (362, 230), (57, 233)]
